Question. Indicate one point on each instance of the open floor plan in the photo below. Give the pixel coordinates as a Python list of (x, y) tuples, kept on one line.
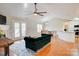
[(39, 29)]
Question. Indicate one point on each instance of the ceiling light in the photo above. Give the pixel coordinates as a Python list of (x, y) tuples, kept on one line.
[(35, 14)]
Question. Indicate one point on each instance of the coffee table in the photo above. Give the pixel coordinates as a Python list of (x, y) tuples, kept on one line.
[(5, 43)]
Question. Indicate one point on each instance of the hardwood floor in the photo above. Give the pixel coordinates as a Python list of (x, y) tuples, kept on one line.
[(58, 47)]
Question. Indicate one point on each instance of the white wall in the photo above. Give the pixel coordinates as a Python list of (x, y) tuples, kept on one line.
[(32, 27), (72, 23), (11, 21), (55, 25), (51, 25)]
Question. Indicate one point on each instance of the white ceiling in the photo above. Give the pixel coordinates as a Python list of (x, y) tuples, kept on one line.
[(58, 10)]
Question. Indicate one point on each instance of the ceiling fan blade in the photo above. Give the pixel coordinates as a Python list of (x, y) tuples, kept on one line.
[(41, 12)]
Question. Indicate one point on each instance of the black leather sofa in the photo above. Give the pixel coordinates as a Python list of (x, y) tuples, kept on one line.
[(37, 43)]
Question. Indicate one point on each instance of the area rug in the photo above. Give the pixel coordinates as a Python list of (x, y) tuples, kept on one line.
[(19, 49)]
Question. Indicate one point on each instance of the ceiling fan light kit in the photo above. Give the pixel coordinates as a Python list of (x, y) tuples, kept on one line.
[(36, 12)]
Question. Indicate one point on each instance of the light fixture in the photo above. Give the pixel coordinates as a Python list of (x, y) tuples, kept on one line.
[(35, 14)]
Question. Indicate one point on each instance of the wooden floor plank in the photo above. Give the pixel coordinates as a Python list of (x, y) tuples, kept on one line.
[(57, 47)]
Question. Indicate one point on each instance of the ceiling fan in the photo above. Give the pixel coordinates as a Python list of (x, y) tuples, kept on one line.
[(36, 11)]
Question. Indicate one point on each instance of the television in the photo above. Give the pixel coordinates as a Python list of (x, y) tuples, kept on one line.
[(2, 20)]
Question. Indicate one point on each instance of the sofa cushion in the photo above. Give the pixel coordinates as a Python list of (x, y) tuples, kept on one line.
[(45, 34)]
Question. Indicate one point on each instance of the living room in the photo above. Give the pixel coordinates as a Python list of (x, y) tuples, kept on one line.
[(31, 20)]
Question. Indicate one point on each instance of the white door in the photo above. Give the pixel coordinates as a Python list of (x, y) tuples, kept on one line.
[(19, 29), (23, 29)]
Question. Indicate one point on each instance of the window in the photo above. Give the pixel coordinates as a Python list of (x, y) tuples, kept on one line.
[(17, 29), (23, 29), (20, 29), (39, 27)]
